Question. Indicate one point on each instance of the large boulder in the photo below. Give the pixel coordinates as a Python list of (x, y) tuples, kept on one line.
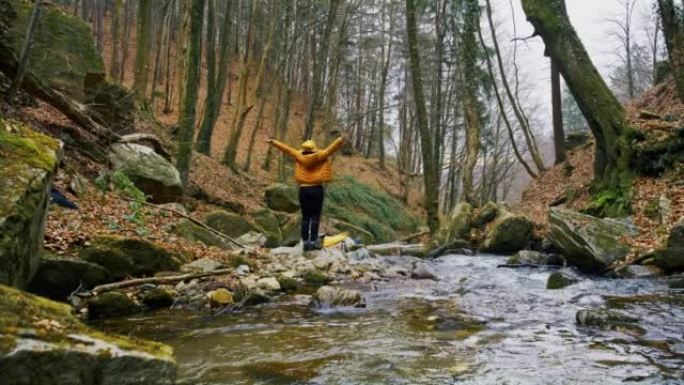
[(125, 257), (671, 258), (27, 165), (195, 233), (231, 224), (149, 171), (41, 342), (457, 225), (508, 233), (592, 244), (269, 224), (485, 214), (290, 228), (57, 277), (282, 197)]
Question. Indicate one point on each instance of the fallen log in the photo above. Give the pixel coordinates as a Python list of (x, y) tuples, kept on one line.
[(154, 280), (415, 250)]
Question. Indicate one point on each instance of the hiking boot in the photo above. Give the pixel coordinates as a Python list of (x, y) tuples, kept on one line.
[(308, 246)]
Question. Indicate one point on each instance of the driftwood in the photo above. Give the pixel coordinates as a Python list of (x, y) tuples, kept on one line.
[(397, 249), (413, 236), (156, 280), (191, 219)]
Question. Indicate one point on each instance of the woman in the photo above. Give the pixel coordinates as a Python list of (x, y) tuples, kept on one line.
[(313, 168)]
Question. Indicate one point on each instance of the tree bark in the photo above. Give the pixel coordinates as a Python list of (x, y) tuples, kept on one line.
[(115, 62), (192, 75), (673, 28), (603, 112), (142, 53), (557, 107), (429, 167), (25, 51)]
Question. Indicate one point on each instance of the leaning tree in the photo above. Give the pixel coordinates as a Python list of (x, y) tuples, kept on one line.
[(602, 110)]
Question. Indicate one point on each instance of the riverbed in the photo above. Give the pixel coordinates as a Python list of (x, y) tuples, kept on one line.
[(478, 324)]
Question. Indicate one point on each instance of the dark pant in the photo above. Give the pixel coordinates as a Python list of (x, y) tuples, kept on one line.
[(311, 202)]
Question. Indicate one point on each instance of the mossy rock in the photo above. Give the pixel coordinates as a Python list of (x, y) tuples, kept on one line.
[(592, 244), (50, 346), (288, 284), (558, 280), (27, 165), (508, 233), (158, 298), (485, 214), (671, 258), (125, 257), (58, 277), (194, 233), (282, 197), (112, 105), (456, 225), (231, 224), (290, 229), (269, 224), (63, 49), (149, 171), (316, 278), (112, 304)]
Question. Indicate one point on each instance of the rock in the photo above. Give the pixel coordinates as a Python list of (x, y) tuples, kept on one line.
[(269, 284), (640, 271), (252, 238), (175, 206), (112, 105), (508, 233), (361, 234), (58, 277), (158, 298), (485, 214), (268, 223), (202, 265), (149, 171), (112, 304), (282, 197), (290, 228), (28, 161), (251, 297), (559, 280), (664, 208), (125, 257), (242, 270), (325, 258), (609, 319), (360, 254), (43, 343), (671, 258), (531, 257), (220, 297), (194, 233), (288, 283), (230, 224), (316, 278), (329, 296), (422, 270), (592, 244), (456, 226), (676, 283), (78, 184), (577, 139)]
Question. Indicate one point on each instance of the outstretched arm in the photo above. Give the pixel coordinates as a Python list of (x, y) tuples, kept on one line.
[(332, 148), (283, 147)]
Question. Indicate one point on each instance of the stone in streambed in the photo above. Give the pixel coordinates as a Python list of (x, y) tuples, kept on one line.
[(508, 233), (158, 298), (329, 296), (640, 271), (422, 270), (112, 304), (559, 280), (671, 258), (58, 277), (220, 297), (610, 320), (531, 257), (268, 284), (202, 265)]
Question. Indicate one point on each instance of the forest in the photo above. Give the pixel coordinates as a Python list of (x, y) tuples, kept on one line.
[(341, 191)]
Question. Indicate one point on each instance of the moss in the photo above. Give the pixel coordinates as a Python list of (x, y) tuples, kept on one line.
[(558, 280), (316, 278), (26, 146), (364, 206), (236, 260), (288, 284)]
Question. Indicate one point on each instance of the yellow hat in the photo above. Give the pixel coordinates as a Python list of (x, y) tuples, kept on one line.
[(309, 145)]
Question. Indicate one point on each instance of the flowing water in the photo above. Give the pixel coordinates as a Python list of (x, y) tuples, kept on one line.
[(478, 324)]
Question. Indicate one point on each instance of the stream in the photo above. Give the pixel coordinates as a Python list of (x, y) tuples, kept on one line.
[(478, 324)]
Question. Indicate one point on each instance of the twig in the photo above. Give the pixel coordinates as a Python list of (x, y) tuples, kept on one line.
[(156, 280), (191, 219)]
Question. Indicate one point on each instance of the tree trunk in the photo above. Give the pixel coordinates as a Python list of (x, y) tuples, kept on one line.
[(429, 167), (116, 40), (192, 75), (673, 28), (142, 53), (603, 112), (127, 34), (25, 51), (557, 107)]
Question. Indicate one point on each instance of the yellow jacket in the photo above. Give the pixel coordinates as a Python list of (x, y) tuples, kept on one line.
[(311, 169)]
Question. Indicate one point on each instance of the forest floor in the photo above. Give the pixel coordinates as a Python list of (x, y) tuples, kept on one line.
[(572, 179)]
